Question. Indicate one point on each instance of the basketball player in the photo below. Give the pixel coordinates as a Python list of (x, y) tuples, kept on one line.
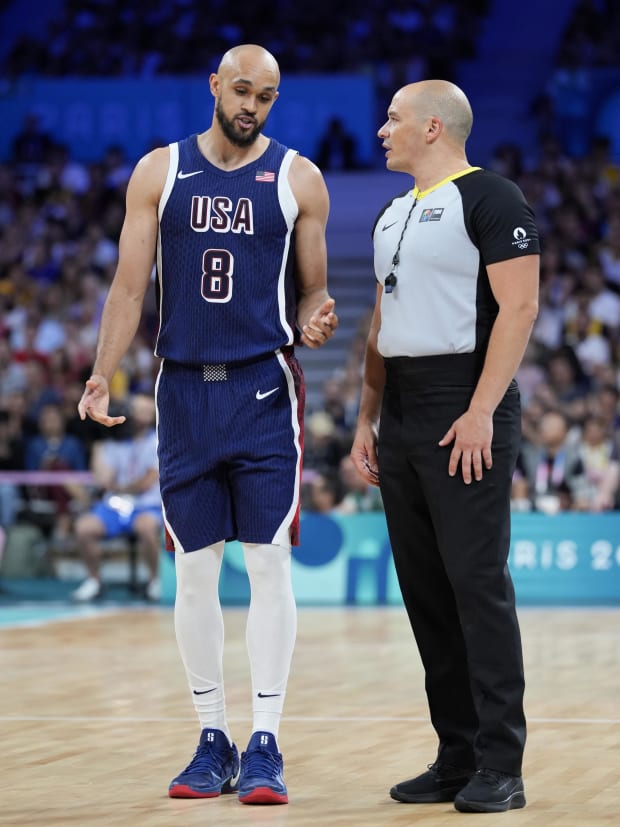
[(236, 222)]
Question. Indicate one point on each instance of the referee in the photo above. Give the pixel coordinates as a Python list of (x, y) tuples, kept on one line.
[(456, 261)]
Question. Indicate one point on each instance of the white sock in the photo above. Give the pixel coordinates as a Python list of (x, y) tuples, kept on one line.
[(271, 631), (199, 627)]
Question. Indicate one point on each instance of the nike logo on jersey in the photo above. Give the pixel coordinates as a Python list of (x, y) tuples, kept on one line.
[(203, 691), (263, 695), (261, 395), (183, 175), (387, 226)]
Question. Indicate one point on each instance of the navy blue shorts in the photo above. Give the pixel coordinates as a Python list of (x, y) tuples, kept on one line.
[(230, 450)]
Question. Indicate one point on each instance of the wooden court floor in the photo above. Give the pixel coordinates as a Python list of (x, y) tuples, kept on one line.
[(96, 719)]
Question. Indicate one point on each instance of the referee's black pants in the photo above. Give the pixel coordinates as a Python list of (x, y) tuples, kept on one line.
[(450, 543)]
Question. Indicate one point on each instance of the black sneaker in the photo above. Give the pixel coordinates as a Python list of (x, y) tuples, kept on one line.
[(490, 791), (441, 782)]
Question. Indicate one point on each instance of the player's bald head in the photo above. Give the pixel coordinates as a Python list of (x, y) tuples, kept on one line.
[(441, 99), (248, 60)]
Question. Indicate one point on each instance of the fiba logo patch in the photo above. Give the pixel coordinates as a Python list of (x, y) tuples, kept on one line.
[(521, 239), (433, 214)]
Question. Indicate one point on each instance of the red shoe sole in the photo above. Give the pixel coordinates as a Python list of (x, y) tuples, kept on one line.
[(264, 795), (181, 791)]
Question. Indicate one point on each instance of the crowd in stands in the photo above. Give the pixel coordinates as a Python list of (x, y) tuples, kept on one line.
[(571, 373), (59, 228), (592, 36), (402, 42), (585, 65)]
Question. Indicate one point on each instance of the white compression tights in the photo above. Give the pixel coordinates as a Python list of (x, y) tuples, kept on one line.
[(271, 631), (199, 627)]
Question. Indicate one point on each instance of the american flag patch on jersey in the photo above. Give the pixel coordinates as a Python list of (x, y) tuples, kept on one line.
[(265, 175)]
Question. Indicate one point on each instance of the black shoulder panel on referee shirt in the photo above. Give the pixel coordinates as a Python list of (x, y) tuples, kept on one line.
[(498, 219)]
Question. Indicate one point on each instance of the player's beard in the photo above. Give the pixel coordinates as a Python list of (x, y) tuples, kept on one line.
[(230, 131)]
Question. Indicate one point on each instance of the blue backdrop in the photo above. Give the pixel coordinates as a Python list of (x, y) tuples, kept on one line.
[(90, 115), (568, 559)]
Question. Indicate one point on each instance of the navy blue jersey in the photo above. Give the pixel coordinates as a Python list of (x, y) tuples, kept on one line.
[(225, 258)]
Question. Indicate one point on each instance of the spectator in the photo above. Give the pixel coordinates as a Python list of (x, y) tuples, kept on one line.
[(332, 400), (556, 285), (596, 488), (50, 334), (603, 304), (323, 447), (340, 393), (322, 492), (38, 390), (550, 465), (360, 496), (567, 384), (126, 470), (16, 404), (337, 149), (603, 403), (53, 449), (12, 375), (531, 373), (585, 336), (609, 253), (11, 459), (31, 146), (117, 168), (61, 172), (40, 266)]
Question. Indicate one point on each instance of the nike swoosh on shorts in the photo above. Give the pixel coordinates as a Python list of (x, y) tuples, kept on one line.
[(260, 395)]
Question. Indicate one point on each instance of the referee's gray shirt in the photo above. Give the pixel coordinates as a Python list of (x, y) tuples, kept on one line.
[(442, 302)]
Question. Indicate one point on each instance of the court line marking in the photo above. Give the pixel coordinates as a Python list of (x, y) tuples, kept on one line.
[(290, 718), (50, 612)]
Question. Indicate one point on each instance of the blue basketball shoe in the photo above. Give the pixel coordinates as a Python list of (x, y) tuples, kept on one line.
[(214, 769), (261, 781)]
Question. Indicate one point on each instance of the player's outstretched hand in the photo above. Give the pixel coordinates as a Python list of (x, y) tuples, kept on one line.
[(95, 402)]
